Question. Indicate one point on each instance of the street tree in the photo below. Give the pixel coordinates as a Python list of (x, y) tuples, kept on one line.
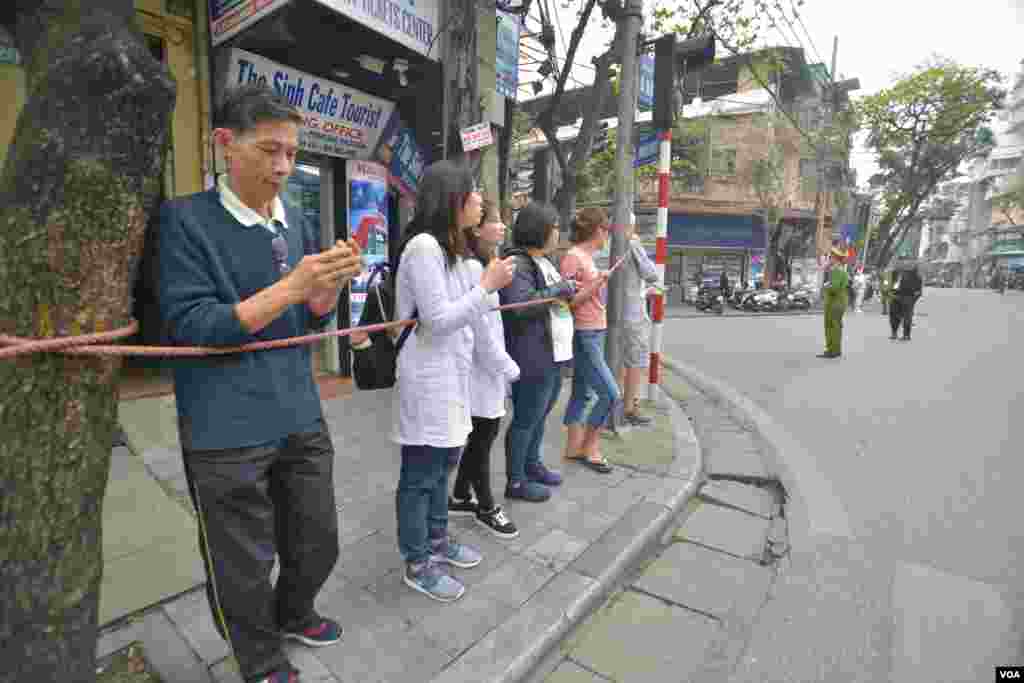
[(776, 188), (922, 128), (1010, 202), (78, 185), (737, 25), (740, 22)]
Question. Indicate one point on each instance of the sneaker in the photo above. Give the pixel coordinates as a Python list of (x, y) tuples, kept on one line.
[(527, 490), (637, 420), (462, 507), (283, 676), (542, 475), (497, 522), (324, 632), (456, 554), (431, 580)]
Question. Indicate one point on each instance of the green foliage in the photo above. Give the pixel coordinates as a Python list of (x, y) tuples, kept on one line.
[(1011, 201), (922, 128)]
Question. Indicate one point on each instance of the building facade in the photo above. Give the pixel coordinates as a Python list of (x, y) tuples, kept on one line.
[(718, 220), (379, 85)]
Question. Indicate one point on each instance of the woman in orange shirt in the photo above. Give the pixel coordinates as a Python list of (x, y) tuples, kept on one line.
[(590, 371)]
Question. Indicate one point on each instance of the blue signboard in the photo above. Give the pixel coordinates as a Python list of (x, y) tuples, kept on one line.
[(647, 148), (710, 230), (645, 98), (507, 55), (402, 155)]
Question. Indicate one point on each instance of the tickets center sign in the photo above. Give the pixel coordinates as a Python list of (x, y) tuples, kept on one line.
[(338, 120)]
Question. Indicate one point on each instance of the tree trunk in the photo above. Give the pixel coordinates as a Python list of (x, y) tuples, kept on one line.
[(81, 178)]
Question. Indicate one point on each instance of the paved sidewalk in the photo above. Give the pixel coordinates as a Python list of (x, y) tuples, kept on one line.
[(687, 613), (571, 553)]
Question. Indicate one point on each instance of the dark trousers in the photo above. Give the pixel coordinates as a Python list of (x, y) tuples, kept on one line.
[(901, 310), (475, 466), (254, 503)]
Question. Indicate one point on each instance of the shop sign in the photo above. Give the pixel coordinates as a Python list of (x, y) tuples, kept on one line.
[(507, 54), (339, 121), (402, 155), (9, 55), (412, 23), (645, 93), (477, 137), (368, 204), (228, 17)]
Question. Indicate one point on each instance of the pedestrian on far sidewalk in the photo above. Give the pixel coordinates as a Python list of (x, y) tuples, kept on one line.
[(860, 285), (539, 339), (906, 292), (885, 291), (640, 274), (591, 373), (237, 265), (435, 284), (471, 495), (836, 297)]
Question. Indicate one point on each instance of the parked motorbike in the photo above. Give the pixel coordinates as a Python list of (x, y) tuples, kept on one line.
[(800, 298), (739, 295), (761, 300), (710, 301)]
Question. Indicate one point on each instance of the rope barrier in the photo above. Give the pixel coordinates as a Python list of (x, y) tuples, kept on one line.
[(95, 344)]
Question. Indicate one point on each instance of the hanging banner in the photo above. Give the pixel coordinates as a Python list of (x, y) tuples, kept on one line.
[(412, 23), (507, 54), (339, 121), (402, 155), (645, 93), (228, 17), (367, 224)]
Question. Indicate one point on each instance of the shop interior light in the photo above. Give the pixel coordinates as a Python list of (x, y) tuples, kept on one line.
[(373, 64), (341, 73)]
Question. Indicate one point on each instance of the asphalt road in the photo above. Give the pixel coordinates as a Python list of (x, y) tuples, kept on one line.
[(921, 442)]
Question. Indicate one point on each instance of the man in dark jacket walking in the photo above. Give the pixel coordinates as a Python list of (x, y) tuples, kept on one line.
[(905, 294)]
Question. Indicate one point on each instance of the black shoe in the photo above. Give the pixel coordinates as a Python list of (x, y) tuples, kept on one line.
[(906, 337), (893, 337), (497, 522), (462, 507), (829, 355), (636, 419)]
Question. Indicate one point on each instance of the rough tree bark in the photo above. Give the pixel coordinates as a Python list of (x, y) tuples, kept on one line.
[(75, 192)]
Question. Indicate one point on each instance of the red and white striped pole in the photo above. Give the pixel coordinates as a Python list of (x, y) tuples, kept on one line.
[(660, 257)]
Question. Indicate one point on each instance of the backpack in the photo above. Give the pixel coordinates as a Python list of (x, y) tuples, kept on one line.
[(373, 367)]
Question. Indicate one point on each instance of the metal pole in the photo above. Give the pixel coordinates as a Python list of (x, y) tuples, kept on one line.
[(660, 258), (631, 22)]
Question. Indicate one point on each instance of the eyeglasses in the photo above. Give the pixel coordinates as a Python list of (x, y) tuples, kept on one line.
[(279, 250)]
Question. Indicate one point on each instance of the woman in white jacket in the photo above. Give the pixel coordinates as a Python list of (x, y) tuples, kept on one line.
[(435, 283), (472, 495)]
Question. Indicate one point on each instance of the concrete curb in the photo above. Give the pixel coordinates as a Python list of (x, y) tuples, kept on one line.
[(813, 508), (672, 504)]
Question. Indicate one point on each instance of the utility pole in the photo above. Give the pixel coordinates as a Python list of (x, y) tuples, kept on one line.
[(630, 22), (823, 240)]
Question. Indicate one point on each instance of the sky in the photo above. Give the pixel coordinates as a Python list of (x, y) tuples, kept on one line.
[(878, 39)]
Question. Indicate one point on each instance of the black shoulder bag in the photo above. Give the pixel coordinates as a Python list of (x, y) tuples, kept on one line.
[(373, 365)]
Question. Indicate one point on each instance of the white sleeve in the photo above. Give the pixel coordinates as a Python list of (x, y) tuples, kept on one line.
[(424, 273)]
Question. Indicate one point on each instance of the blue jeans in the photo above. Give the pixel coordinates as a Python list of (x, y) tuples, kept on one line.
[(591, 375), (421, 500), (532, 401)]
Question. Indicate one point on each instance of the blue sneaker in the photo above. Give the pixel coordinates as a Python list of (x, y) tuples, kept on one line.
[(456, 554), (527, 490), (542, 475), (323, 632), (431, 580)]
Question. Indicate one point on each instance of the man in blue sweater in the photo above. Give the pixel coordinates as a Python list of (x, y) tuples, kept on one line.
[(235, 266)]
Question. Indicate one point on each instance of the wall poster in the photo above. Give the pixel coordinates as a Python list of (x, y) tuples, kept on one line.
[(367, 224)]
